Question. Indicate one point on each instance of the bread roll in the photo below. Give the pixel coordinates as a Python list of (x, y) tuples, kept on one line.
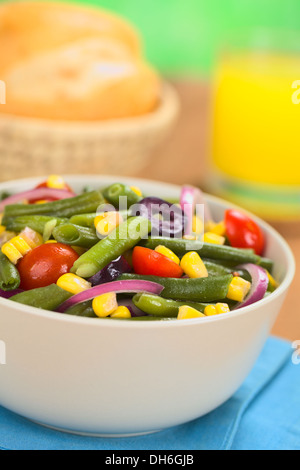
[(69, 62), (27, 28)]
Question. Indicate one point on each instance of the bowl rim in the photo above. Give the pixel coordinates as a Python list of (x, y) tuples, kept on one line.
[(169, 105), (116, 323)]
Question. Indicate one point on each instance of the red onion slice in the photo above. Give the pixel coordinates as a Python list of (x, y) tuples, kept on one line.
[(37, 193), (259, 284), (134, 310), (119, 287), (189, 198), (111, 272), (7, 294), (167, 220)]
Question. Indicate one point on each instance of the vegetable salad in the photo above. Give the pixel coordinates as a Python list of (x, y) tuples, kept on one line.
[(117, 253)]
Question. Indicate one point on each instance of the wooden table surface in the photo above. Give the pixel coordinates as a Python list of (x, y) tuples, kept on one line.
[(181, 159)]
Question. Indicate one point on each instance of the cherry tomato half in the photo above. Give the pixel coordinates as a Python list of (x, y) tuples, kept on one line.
[(243, 232), (45, 264), (150, 262)]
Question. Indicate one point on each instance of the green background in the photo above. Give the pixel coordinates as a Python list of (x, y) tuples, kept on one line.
[(182, 36)]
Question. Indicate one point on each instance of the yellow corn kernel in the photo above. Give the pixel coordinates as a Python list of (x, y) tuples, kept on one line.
[(99, 218), (210, 310), (32, 237), (72, 283), (217, 309), (238, 289), (41, 201), (56, 181), (222, 308), (9, 250), (272, 281), (197, 225), (186, 313), (102, 216), (105, 304), (121, 312), (107, 222), (50, 241), (193, 266), (209, 226), (163, 250), (210, 237), (219, 229), (21, 245), (1, 217), (136, 190), (189, 237)]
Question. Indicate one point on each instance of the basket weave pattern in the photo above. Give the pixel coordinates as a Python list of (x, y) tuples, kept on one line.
[(31, 147)]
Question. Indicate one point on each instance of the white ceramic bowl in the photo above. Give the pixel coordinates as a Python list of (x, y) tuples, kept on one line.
[(113, 377)]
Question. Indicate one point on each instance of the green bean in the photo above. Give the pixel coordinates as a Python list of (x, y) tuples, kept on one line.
[(121, 239), (4, 195), (85, 220), (266, 263), (35, 222), (229, 266), (215, 269), (84, 203), (205, 289), (9, 275), (49, 227), (207, 250), (160, 307), (117, 190), (83, 309), (47, 298), (71, 234), (225, 267), (220, 262)]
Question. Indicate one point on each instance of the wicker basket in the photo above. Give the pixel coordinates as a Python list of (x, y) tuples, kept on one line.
[(31, 147)]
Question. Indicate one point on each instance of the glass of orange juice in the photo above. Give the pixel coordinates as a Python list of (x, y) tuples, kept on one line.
[(255, 142)]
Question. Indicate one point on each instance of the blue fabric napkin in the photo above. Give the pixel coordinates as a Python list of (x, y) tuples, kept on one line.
[(263, 414)]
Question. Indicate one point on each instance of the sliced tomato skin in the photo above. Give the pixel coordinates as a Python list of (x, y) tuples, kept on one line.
[(45, 264), (149, 262), (243, 232)]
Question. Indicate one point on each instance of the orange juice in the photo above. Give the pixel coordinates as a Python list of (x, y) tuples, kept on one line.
[(256, 132)]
